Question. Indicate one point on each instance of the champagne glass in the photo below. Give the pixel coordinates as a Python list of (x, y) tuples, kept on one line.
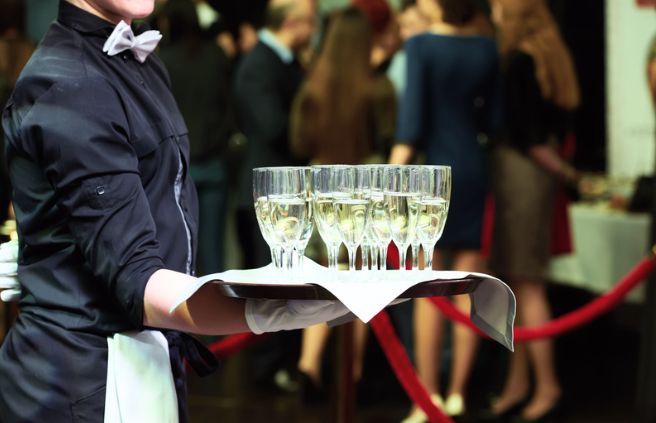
[(433, 208), (288, 207), (351, 204), (415, 244), (367, 244), (323, 185), (401, 196), (301, 244), (379, 227), (263, 212)]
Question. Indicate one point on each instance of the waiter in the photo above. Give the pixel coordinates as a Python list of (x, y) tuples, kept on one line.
[(107, 219)]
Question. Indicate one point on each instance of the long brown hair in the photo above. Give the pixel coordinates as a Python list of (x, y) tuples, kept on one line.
[(528, 26), (338, 87)]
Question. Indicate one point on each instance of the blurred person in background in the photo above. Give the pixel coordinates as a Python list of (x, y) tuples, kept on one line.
[(266, 81), (386, 37), (541, 90), (343, 114), (200, 74), (15, 50), (411, 22), (450, 106), (343, 111)]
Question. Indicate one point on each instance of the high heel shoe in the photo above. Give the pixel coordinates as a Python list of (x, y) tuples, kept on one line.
[(551, 415), (418, 415), (489, 416), (454, 405), (311, 392)]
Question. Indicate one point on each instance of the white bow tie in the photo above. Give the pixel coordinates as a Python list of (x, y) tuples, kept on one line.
[(122, 38)]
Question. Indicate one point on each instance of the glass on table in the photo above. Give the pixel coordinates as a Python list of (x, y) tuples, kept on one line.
[(433, 208), (323, 190), (351, 203), (379, 231), (263, 213), (287, 198), (301, 244), (401, 198)]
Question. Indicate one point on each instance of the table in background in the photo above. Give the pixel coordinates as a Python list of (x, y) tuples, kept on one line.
[(607, 244)]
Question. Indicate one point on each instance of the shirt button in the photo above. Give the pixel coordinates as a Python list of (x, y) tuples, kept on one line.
[(124, 57), (142, 82)]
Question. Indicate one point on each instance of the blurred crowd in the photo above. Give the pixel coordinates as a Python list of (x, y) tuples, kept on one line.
[(487, 87)]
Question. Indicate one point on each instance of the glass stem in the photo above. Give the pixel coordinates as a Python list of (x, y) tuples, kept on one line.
[(428, 256), (333, 253), (415, 256), (288, 255), (383, 257), (351, 253), (300, 254), (365, 256), (403, 251), (374, 257)]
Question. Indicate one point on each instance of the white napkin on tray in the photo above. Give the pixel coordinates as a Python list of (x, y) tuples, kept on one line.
[(366, 293)]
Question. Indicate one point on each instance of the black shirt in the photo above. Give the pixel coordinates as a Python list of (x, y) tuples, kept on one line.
[(98, 155)]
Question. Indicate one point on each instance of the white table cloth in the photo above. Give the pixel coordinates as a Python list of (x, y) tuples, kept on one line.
[(607, 244)]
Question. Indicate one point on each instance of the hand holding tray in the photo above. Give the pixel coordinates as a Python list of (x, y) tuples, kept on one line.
[(366, 293)]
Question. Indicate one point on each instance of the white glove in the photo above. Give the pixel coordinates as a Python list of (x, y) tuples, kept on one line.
[(275, 315), (9, 271)]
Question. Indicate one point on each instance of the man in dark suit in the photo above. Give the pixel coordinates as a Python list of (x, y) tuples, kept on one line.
[(266, 83)]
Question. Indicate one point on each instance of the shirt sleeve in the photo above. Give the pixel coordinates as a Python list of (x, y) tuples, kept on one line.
[(411, 110), (79, 133)]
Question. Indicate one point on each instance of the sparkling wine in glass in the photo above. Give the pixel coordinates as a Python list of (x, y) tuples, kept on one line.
[(433, 208), (288, 204), (324, 211), (351, 203), (263, 213), (401, 197)]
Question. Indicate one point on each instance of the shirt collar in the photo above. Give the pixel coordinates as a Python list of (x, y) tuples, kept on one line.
[(267, 37), (81, 20)]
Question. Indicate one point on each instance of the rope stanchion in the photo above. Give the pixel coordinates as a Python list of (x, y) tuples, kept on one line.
[(401, 365), (398, 359), (228, 346), (568, 321)]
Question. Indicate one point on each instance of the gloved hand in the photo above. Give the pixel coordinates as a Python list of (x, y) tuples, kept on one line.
[(9, 284), (274, 315)]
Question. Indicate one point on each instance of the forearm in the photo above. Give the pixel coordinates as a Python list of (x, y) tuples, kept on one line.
[(206, 312), (549, 160)]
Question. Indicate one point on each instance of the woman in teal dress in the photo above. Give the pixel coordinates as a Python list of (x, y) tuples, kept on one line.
[(449, 109)]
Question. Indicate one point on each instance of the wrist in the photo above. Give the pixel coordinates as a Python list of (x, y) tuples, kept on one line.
[(568, 174), (250, 316)]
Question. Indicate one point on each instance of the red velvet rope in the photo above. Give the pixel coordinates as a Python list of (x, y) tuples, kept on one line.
[(226, 347), (401, 365), (568, 321), (405, 373)]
